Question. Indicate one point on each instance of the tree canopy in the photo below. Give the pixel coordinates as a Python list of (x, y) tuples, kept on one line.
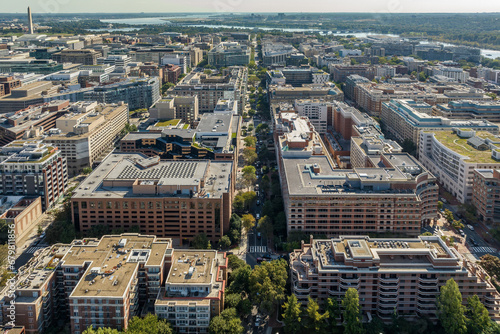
[(352, 313), (451, 312)]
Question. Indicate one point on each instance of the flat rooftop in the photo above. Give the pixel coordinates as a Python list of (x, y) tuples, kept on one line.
[(113, 267), (217, 123), (422, 253), (192, 267), (119, 167), (460, 146), (301, 180)]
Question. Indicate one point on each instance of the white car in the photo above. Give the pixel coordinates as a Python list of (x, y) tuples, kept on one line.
[(470, 227)]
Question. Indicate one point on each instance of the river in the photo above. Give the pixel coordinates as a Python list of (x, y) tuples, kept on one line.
[(165, 20)]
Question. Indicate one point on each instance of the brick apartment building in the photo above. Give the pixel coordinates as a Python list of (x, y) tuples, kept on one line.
[(105, 282), (486, 194), (178, 199), (397, 194), (8, 83), (31, 168), (389, 274)]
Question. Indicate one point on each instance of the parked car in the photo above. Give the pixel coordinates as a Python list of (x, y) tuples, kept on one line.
[(461, 233), (258, 202), (257, 216), (259, 235)]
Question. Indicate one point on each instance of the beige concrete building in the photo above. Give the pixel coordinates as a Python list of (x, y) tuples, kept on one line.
[(209, 89), (404, 119), (23, 212), (87, 133), (185, 108)]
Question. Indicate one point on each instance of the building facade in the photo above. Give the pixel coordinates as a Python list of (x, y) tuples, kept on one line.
[(486, 194), (404, 120), (87, 133), (179, 199), (389, 274), (30, 168), (453, 157)]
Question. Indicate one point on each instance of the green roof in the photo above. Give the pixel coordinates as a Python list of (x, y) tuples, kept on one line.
[(460, 146), (172, 122)]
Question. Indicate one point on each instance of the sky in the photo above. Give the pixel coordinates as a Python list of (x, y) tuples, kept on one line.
[(169, 6)]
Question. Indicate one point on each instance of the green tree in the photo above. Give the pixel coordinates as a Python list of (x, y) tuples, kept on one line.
[(249, 155), (150, 324), (227, 322), (250, 141), (235, 262), (291, 315), (333, 308), (267, 284), (239, 202), (100, 330), (239, 280), (249, 176), (244, 307), (478, 316), (200, 241), (224, 242), (166, 86), (450, 309), (316, 322), (87, 170), (265, 225), (422, 77), (262, 128), (232, 300), (440, 205), (248, 221), (352, 314), (249, 197), (207, 72)]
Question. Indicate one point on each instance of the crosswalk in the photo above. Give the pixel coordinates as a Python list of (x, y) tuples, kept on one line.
[(483, 249), (258, 249), (31, 250)]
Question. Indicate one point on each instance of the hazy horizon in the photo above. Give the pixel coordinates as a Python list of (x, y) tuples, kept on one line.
[(255, 6)]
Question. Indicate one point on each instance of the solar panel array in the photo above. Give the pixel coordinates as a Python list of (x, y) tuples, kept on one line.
[(179, 170)]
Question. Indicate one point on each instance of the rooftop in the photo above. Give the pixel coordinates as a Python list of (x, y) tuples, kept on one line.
[(460, 146), (114, 261), (192, 267), (125, 175)]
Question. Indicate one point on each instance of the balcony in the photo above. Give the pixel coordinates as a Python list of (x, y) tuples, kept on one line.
[(296, 288), (385, 310), (387, 289), (428, 281), (431, 306), (350, 280), (388, 297), (389, 281), (432, 289)]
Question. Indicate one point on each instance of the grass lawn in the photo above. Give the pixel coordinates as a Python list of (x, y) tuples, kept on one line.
[(460, 146), (172, 122)]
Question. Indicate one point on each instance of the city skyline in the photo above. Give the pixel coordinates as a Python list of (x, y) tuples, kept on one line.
[(236, 6)]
